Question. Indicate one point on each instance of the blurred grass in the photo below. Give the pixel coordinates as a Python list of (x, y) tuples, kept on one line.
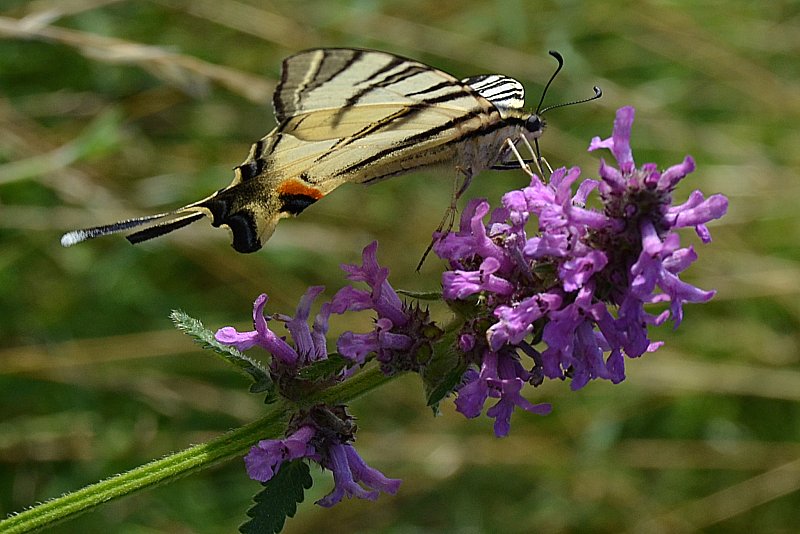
[(705, 434)]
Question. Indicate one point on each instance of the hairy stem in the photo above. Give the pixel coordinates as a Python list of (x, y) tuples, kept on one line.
[(233, 444)]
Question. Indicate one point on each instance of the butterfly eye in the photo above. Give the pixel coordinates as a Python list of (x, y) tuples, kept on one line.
[(534, 124)]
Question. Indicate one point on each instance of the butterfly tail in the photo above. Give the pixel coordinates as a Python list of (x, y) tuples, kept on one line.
[(77, 236), (174, 220), (164, 227), (248, 209)]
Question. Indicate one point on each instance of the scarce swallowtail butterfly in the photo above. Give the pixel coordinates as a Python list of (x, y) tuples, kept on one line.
[(353, 116)]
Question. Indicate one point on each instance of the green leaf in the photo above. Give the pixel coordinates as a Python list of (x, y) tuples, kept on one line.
[(443, 371), (326, 368), (194, 328), (420, 295), (278, 500)]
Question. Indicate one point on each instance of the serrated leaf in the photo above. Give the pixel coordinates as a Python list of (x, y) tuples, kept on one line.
[(436, 390), (194, 328), (322, 369), (443, 371), (278, 500)]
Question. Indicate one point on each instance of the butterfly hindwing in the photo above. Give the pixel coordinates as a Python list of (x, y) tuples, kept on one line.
[(502, 91), (340, 111)]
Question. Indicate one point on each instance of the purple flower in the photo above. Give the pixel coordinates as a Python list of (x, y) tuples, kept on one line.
[(348, 470), (516, 321), (265, 459), (471, 241), (400, 332), (261, 336), (461, 284), (639, 201), (501, 377), (382, 297), (577, 336), (310, 345), (322, 435)]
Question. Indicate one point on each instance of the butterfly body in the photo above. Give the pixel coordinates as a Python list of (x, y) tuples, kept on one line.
[(352, 116)]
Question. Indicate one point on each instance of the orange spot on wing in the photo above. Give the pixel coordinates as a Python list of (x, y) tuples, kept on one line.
[(295, 187)]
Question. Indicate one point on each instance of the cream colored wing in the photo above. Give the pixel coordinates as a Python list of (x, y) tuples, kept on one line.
[(340, 79), (344, 115)]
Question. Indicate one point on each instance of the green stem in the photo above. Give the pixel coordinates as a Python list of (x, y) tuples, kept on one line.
[(233, 444)]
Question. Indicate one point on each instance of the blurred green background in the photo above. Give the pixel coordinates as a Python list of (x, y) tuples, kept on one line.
[(112, 109)]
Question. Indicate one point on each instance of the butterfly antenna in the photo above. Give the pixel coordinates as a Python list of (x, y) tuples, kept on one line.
[(597, 94), (560, 60)]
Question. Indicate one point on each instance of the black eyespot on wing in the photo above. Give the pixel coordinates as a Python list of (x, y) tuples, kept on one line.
[(255, 166), (295, 203), (243, 227), (241, 221)]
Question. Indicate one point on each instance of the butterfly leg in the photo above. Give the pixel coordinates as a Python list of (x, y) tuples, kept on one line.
[(537, 158), (519, 162), (522, 162), (449, 218), (452, 210)]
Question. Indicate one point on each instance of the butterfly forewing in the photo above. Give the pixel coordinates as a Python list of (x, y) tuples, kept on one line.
[(337, 79)]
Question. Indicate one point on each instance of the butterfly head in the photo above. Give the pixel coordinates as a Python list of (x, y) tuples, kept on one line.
[(534, 125)]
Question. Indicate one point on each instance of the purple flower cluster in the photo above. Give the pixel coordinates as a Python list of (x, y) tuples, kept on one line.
[(578, 288), (312, 437), (402, 333), (310, 344), (322, 434)]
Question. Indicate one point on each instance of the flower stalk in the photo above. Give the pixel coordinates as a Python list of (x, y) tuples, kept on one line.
[(231, 445)]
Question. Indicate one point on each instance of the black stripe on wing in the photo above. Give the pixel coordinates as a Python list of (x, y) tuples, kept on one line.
[(416, 138), (483, 130), (502, 91), (157, 230), (393, 120), (323, 65), (374, 83)]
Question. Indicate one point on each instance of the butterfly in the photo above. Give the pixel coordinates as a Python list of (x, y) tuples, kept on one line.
[(348, 115)]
